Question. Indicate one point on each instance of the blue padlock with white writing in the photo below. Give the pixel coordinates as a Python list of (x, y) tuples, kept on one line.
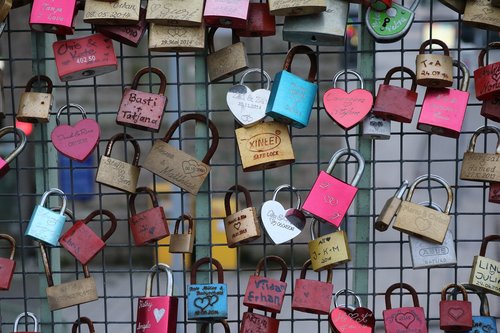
[(292, 97), (207, 301)]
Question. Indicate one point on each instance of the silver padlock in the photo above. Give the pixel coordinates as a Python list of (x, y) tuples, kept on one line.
[(22, 315), (376, 128)]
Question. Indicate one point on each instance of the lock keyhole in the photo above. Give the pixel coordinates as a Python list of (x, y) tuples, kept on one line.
[(313, 39), (386, 21)]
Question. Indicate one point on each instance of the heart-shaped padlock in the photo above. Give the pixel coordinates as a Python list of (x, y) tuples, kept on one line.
[(79, 141), (347, 319), (282, 225), (347, 109), (247, 106)]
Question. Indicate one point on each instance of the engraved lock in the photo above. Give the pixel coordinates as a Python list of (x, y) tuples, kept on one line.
[(35, 107), (119, 12), (330, 198), (127, 34), (7, 265), (45, 225), (175, 13), (482, 15), (249, 107), (419, 221), (329, 250), (481, 166), (404, 319), (4, 162), (53, 16), (434, 70), (79, 141), (296, 7), (176, 166), (172, 38), (391, 206), (118, 174), (243, 226), (484, 273), (292, 97), (282, 225), (141, 109), (454, 315), (24, 315), (182, 243), (327, 28), (375, 128), (260, 22), (486, 80), (226, 14), (312, 296), (456, 5), (224, 323), (443, 109), (254, 322), (346, 318), (83, 320), (264, 293), (490, 109), (150, 225)]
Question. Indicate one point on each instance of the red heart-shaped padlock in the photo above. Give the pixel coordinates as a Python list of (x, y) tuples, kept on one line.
[(76, 142), (347, 109), (344, 320)]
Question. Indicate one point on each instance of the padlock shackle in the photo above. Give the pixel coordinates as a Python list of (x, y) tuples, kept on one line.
[(302, 49), (346, 292), (482, 54), (484, 309), (455, 286), (485, 130), (211, 32), (465, 74), (435, 178), (307, 265), (292, 189), (111, 217), (250, 310), (147, 70), (12, 242), (345, 151), (439, 42), (392, 71), (277, 259), (200, 118), (210, 261), (59, 193), (38, 78), (124, 137), (236, 189), (224, 323), (400, 285), (143, 189), (262, 72), (484, 243), (348, 71), (183, 218), (83, 320), (23, 315), (170, 279), (432, 205), (22, 138), (67, 107)]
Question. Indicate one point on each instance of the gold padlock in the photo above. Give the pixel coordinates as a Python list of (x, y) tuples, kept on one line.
[(424, 222), (481, 167), (296, 7), (185, 13), (434, 70), (120, 12), (329, 250), (170, 38), (182, 243), (35, 107), (485, 272), (482, 14)]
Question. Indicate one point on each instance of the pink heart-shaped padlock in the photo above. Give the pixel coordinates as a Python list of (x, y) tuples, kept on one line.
[(76, 142), (347, 109), (359, 320)]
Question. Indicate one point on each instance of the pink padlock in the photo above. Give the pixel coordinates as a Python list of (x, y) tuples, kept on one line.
[(226, 14), (54, 16), (127, 34), (443, 109)]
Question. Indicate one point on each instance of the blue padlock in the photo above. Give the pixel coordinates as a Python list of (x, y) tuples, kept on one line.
[(45, 225), (207, 301), (292, 97)]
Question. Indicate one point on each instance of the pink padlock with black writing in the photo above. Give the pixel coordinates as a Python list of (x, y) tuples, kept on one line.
[(130, 35), (54, 16), (226, 14)]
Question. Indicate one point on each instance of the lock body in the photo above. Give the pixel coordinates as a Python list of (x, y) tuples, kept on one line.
[(141, 110), (494, 192), (242, 227), (157, 314), (482, 15), (149, 226), (226, 62), (425, 254), (207, 301), (455, 316), (387, 27), (112, 13), (486, 81), (226, 14), (34, 107), (490, 109), (7, 267), (395, 103), (265, 293), (82, 242), (181, 243), (312, 296), (405, 319), (117, 174), (72, 293), (480, 167), (130, 35), (53, 16), (485, 274), (175, 13), (483, 324), (170, 38), (375, 128), (254, 322), (45, 225), (296, 7), (329, 251), (260, 22)]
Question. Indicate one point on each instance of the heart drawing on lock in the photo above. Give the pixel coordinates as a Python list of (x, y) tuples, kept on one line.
[(248, 107), (194, 168), (360, 320), (237, 225), (158, 313), (204, 302), (347, 109), (76, 142), (277, 226), (405, 319), (422, 224), (455, 313)]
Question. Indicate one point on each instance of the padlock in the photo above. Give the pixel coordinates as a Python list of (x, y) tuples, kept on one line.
[(454, 315), (490, 109), (182, 243), (424, 222), (312, 296), (53, 16), (375, 128), (282, 225), (396, 103), (118, 174), (260, 22), (443, 109), (84, 57), (391, 206), (243, 226), (176, 166), (405, 319), (482, 167), (70, 293), (380, 5), (226, 14), (35, 107), (292, 97), (83, 320), (45, 225), (254, 322), (7, 265), (329, 250), (330, 198), (456, 5), (327, 28), (150, 225), (158, 313), (79, 141), (264, 293), (392, 24), (434, 70), (23, 315), (225, 62), (494, 192), (127, 34), (249, 107), (207, 301), (111, 13), (140, 109), (4, 162), (482, 15), (171, 38), (485, 272), (351, 319), (82, 242), (175, 13), (296, 7), (266, 145), (5, 9), (486, 80)]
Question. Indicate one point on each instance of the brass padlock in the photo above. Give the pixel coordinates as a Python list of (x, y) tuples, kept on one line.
[(329, 250), (434, 70), (388, 213), (35, 107), (481, 167), (482, 14), (182, 243), (119, 12), (186, 13), (170, 38), (424, 222), (296, 7)]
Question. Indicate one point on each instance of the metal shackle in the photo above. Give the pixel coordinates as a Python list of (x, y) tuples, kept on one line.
[(435, 178), (170, 279), (347, 292), (59, 193), (484, 309), (256, 70), (400, 285), (22, 143), (465, 74), (263, 263), (291, 188), (67, 107), (12, 243), (26, 314), (125, 138), (455, 286), (183, 218), (344, 151), (308, 264), (484, 129), (349, 71), (432, 205), (152, 70)]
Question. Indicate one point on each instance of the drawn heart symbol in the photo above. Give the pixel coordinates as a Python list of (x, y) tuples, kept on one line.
[(194, 168), (422, 224), (176, 32), (347, 109), (158, 313), (248, 107), (213, 300), (237, 225), (405, 319), (202, 303), (278, 228), (76, 142), (456, 313), (360, 320)]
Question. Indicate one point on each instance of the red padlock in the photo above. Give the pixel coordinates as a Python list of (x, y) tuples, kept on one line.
[(351, 318), (494, 192), (405, 319), (264, 293), (396, 103), (226, 14), (149, 225), (140, 109), (53, 16), (312, 296), (22, 315), (127, 34), (7, 265), (454, 315), (257, 323), (260, 22), (487, 78), (82, 242), (491, 109)]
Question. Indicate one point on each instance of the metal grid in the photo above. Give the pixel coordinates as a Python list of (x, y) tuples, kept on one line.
[(379, 259)]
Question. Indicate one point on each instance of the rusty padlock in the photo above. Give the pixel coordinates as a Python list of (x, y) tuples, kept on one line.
[(175, 13), (485, 273), (23, 315), (260, 22), (172, 38), (80, 321), (254, 322), (53, 16), (7, 265), (112, 13), (434, 70), (5, 161), (454, 315), (482, 167), (182, 243), (226, 14), (127, 34), (35, 107), (312, 296), (486, 77), (405, 319), (296, 7)]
